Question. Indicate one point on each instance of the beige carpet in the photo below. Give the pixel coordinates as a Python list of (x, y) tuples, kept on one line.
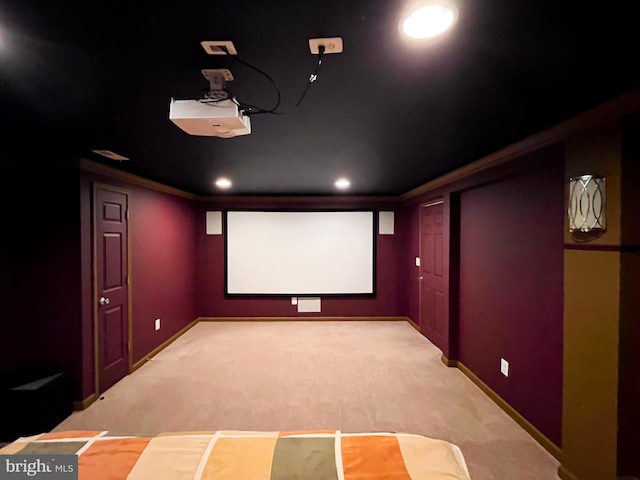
[(351, 376)]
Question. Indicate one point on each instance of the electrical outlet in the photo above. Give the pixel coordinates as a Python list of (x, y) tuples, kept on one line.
[(157, 324), (504, 367)]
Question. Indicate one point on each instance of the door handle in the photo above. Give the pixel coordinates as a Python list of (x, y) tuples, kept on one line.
[(420, 278), (103, 301)]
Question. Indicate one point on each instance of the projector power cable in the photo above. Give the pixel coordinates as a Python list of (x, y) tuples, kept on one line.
[(263, 73), (254, 110)]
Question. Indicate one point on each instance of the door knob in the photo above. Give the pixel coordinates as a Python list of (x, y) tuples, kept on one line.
[(420, 278), (103, 301)]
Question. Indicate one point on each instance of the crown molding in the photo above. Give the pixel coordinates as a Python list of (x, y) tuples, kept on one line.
[(100, 169)]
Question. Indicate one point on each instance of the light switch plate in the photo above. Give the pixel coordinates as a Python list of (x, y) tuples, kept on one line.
[(157, 324), (417, 261), (504, 367)]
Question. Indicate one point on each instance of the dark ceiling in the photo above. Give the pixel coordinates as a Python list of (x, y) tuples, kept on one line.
[(77, 76)]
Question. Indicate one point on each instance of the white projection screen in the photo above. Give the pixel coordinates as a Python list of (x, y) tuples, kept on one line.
[(299, 253)]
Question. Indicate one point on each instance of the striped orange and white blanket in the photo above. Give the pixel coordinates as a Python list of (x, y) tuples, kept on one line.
[(239, 455)]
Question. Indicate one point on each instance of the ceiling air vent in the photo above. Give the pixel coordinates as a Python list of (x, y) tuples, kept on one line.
[(111, 155)]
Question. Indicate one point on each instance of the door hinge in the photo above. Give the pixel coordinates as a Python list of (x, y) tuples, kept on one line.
[(126, 215), (127, 280)]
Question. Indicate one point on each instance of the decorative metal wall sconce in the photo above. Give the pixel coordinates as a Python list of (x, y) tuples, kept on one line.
[(587, 202)]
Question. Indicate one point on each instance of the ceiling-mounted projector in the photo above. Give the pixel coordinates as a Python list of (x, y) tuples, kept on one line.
[(219, 119), (216, 115)]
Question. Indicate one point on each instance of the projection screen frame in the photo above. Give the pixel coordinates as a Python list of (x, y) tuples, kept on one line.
[(374, 233)]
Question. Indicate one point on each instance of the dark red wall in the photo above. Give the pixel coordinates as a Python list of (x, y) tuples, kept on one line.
[(163, 273), (212, 302), (511, 291), (500, 238)]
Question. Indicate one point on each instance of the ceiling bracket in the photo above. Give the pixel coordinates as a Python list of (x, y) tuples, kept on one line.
[(218, 79)]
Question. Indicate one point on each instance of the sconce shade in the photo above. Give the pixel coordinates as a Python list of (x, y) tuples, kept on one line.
[(587, 194)]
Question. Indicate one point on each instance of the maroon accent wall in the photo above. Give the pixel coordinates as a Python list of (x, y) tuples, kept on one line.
[(530, 168), (511, 291), (163, 267), (450, 194), (212, 302)]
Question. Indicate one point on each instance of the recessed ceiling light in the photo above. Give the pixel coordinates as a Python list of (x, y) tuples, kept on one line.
[(429, 18), (342, 183), (223, 182)]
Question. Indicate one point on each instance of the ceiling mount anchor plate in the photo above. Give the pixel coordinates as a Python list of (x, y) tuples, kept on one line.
[(331, 45), (215, 47), (217, 78), (212, 73)]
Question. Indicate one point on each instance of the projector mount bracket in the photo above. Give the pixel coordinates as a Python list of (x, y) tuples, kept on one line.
[(217, 83)]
